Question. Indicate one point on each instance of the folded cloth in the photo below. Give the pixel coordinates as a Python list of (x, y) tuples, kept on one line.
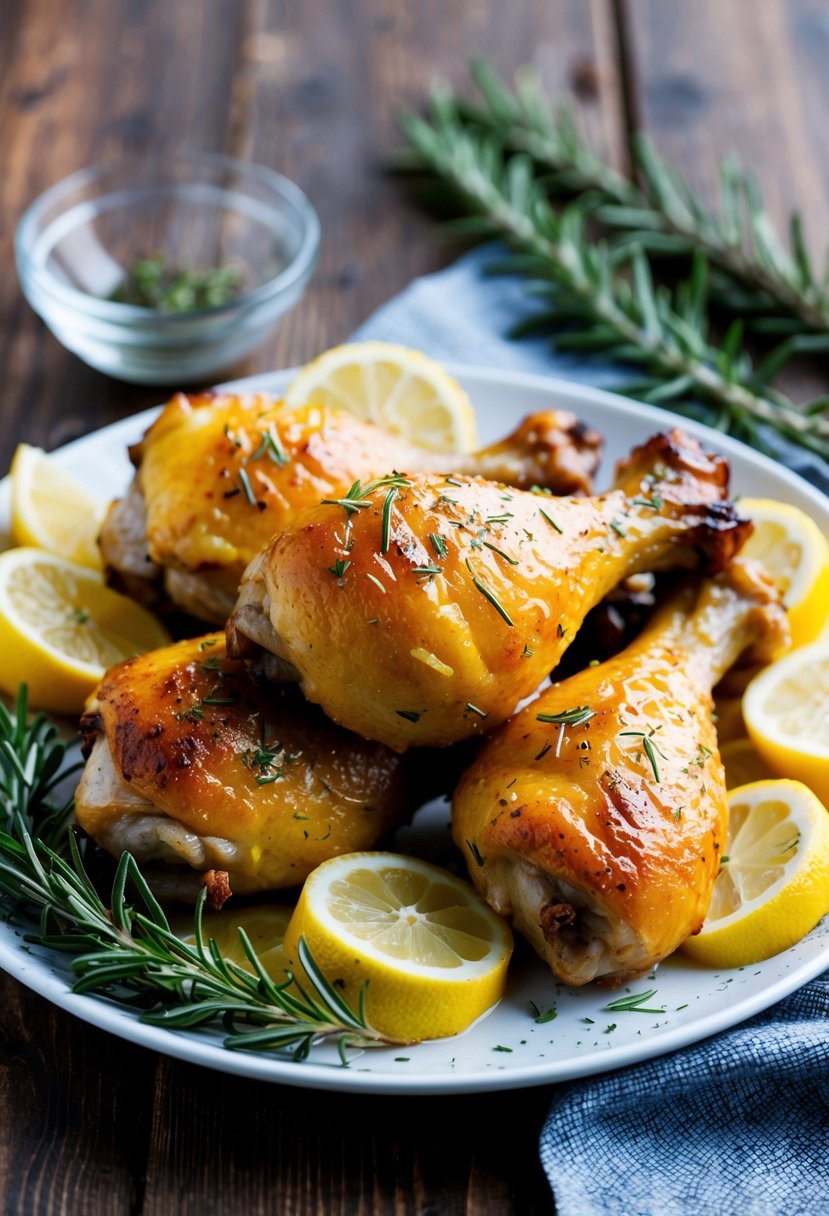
[(464, 314), (739, 1124)]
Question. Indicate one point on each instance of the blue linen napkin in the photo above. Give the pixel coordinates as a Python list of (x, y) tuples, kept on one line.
[(737, 1125)]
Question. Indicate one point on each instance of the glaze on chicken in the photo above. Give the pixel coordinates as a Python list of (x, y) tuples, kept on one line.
[(218, 475), (194, 765), (596, 817), (423, 610)]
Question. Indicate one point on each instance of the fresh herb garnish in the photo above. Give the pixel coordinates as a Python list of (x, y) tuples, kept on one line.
[(127, 951), (633, 1003), (438, 544), (550, 521), (488, 595), (650, 749), (568, 717), (152, 282)]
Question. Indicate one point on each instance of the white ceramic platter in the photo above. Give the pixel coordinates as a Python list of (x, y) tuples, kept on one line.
[(508, 1048)]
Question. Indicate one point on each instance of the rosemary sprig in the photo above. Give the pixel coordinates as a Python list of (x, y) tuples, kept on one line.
[(603, 301), (127, 951), (660, 212)]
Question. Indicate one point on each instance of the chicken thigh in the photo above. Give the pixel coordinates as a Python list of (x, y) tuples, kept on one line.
[(596, 817), (218, 475), (420, 610), (193, 765)]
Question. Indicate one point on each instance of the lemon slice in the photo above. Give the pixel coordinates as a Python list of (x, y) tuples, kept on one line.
[(796, 554), (265, 925), (742, 763), (61, 627), (786, 711), (434, 956), (400, 390), (773, 885), (51, 511)]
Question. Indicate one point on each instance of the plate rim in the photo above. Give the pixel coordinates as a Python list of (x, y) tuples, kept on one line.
[(35, 972)]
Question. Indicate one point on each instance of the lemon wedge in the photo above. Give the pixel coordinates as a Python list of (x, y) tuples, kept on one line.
[(433, 955), (398, 389), (51, 511), (265, 925), (742, 763), (796, 554), (786, 711), (773, 885), (61, 627)]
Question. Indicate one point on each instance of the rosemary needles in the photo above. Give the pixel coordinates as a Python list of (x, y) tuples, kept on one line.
[(123, 947), (599, 296)]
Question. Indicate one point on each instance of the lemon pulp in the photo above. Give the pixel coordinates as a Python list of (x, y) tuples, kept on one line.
[(398, 389), (432, 956)]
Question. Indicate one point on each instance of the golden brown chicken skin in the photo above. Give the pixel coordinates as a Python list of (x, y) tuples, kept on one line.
[(193, 764), (218, 475), (426, 610), (596, 817)]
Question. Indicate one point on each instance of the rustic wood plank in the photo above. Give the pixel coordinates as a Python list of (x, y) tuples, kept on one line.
[(86, 82), (324, 100), (718, 77), (75, 1109), (222, 1144)]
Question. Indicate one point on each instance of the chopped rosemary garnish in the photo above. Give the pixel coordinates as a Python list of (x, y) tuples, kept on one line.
[(473, 709), (247, 487), (152, 282), (359, 495), (540, 1018), (654, 502), (617, 528), (339, 568), (385, 535), (513, 561), (634, 1003), (411, 715), (429, 571), (550, 521), (438, 544), (650, 749), (272, 445), (376, 582), (568, 717), (498, 519), (489, 595)]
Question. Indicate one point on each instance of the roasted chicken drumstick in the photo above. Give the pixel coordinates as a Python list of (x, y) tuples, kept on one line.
[(597, 816), (421, 610), (193, 765), (218, 475)]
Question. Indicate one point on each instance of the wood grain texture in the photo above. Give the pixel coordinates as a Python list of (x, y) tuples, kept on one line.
[(223, 1144), (75, 1107), (714, 78)]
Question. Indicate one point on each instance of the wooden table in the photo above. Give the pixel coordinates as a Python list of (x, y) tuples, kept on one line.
[(88, 1123)]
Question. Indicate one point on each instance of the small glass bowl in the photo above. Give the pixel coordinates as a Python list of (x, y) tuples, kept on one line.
[(77, 243)]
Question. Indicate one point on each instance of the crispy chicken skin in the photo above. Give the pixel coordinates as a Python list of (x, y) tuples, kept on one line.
[(602, 848), (217, 475), (192, 764), (435, 631)]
